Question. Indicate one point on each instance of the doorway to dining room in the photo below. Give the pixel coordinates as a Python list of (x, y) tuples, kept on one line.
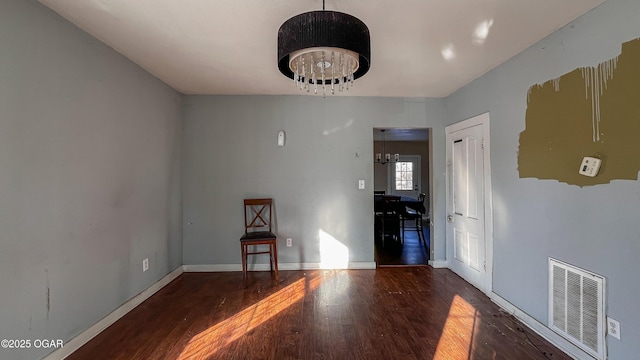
[(402, 170)]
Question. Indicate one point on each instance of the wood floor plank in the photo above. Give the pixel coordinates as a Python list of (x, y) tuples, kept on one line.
[(388, 313), (413, 251)]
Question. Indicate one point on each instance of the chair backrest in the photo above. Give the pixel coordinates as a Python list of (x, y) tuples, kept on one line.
[(257, 215), (420, 210), (391, 204)]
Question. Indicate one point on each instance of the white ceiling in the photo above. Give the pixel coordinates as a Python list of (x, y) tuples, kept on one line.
[(419, 48)]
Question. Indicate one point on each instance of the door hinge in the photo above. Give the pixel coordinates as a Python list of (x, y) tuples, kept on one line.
[(482, 143)]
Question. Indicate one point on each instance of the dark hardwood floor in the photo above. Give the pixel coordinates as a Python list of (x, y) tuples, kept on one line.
[(388, 313), (412, 252)]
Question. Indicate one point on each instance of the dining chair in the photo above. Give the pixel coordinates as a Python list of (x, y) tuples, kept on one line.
[(258, 232), (390, 218), (415, 214)]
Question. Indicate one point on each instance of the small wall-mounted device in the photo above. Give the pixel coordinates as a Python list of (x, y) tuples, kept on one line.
[(590, 166), (281, 136)]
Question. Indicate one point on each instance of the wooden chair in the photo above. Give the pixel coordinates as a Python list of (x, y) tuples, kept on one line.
[(416, 215), (389, 219), (258, 231)]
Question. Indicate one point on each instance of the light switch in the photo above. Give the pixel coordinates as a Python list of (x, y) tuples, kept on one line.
[(361, 184)]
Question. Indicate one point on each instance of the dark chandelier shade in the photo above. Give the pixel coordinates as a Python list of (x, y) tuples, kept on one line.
[(323, 47)]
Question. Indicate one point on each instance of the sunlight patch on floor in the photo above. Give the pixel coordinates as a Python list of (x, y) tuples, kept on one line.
[(210, 341), (458, 334)]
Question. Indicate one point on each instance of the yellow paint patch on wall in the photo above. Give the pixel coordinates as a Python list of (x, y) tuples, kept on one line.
[(593, 111)]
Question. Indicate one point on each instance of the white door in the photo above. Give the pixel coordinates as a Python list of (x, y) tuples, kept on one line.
[(468, 174), (404, 176)]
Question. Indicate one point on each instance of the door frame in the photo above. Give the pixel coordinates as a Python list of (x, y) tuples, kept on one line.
[(429, 201), (483, 120)]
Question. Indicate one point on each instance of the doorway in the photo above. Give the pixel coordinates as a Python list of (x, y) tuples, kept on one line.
[(402, 166)]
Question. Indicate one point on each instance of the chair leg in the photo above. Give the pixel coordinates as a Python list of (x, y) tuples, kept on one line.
[(420, 233), (244, 261), (383, 233), (270, 258), (275, 259)]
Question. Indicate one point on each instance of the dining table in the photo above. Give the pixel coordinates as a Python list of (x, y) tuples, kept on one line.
[(410, 202)]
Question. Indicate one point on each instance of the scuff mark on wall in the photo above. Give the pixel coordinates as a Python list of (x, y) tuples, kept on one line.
[(591, 111), (46, 274)]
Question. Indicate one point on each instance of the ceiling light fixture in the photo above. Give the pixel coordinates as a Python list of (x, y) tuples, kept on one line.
[(326, 49)]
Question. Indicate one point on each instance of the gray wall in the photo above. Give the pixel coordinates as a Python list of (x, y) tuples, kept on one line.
[(230, 153), (593, 227), (89, 178)]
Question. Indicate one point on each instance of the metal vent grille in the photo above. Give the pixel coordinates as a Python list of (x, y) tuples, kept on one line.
[(576, 306)]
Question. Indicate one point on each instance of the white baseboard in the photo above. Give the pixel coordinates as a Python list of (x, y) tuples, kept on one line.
[(363, 265), (360, 265), (357, 265), (541, 329), (439, 264), (220, 268), (84, 337)]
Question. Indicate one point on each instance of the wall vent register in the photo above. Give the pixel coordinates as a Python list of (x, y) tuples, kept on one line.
[(576, 306)]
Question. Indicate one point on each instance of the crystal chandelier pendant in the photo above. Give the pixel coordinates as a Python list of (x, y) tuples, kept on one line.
[(326, 49), (323, 61)]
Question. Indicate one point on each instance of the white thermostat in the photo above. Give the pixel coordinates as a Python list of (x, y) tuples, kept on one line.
[(590, 166)]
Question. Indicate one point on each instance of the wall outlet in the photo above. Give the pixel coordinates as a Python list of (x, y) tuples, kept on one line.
[(361, 184), (289, 241), (145, 264), (613, 328)]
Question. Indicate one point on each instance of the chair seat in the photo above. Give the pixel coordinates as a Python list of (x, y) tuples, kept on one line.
[(411, 214), (258, 235)]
